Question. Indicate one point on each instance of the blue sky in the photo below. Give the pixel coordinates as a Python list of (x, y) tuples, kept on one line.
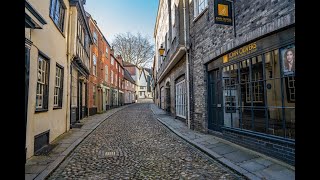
[(121, 16)]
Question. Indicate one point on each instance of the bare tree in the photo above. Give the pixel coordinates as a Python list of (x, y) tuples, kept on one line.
[(134, 49)]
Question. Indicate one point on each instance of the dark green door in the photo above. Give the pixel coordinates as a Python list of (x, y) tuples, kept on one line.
[(215, 98)]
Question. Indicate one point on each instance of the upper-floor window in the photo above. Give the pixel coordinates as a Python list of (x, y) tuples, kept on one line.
[(107, 51), (112, 60), (122, 72), (94, 65), (57, 12), (95, 38), (116, 66), (173, 14), (42, 84), (199, 6), (111, 77), (106, 67), (115, 79)]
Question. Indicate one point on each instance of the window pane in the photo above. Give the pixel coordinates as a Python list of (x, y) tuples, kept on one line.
[(246, 118), (289, 91), (275, 123), (259, 120), (290, 122), (273, 90)]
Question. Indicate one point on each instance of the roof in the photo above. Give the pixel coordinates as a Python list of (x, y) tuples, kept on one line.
[(128, 77), (97, 27), (127, 64)]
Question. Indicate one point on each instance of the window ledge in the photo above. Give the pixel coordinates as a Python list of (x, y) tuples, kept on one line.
[(57, 108), (41, 110), (200, 15)]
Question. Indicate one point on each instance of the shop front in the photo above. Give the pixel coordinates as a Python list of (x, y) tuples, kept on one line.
[(251, 95)]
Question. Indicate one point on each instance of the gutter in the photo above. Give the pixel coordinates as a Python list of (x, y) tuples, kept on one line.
[(186, 47)]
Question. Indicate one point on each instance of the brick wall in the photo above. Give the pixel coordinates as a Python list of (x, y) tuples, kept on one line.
[(208, 40), (280, 150)]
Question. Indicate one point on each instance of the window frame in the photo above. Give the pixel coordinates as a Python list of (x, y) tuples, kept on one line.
[(59, 88), (94, 65), (44, 82), (196, 11), (94, 95), (62, 13), (180, 97), (95, 37)]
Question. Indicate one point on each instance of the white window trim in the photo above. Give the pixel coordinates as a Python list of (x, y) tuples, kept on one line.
[(111, 77), (180, 97), (57, 87), (196, 14), (106, 75)]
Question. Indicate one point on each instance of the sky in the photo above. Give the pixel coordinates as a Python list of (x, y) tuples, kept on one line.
[(121, 16)]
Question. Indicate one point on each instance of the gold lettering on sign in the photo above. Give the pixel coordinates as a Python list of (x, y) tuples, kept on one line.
[(243, 51)]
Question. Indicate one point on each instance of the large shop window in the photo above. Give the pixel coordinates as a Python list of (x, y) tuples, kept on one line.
[(42, 84), (181, 99), (259, 93)]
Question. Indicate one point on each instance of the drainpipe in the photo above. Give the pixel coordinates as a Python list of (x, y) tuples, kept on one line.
[(186, 46), (68, 70)]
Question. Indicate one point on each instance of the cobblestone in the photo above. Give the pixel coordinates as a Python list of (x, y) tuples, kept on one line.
[(132, 144)]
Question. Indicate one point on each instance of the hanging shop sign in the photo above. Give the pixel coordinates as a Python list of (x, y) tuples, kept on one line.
[(223, 12)]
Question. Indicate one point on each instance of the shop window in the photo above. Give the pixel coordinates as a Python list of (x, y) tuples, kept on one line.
[(290, 89)]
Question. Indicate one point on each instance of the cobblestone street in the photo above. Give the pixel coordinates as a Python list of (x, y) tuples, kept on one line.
[(132, 144)]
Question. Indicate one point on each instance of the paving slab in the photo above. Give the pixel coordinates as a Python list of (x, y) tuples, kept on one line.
[(224, 149), (239, 156), (252, 166)]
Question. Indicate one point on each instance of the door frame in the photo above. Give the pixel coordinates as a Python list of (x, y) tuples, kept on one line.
[(209, 94)]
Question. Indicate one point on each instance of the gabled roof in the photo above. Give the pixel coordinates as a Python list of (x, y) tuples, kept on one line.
[(90, 17), (128, 77), (142, 71)]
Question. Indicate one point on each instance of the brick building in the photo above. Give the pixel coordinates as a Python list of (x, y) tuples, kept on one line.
[(99, 96), (129, 88), (242, 75)]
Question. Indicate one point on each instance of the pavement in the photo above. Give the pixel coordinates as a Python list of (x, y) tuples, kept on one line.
[(39, 167), (251, 164)]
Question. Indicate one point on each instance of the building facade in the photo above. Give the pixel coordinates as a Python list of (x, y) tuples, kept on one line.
[(47, 73), (129, 88), (242, 75), (241, 85), (79, 42), (99, 67), (170, 33), (134, 73)]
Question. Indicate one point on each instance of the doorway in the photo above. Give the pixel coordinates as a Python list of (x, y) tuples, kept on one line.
[(215, 101)]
